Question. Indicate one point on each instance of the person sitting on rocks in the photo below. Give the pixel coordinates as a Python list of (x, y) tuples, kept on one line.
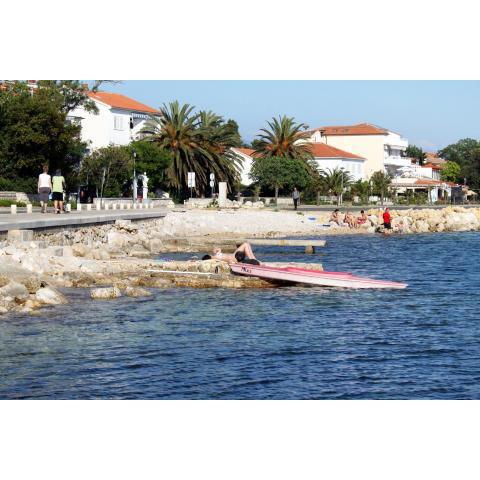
[(243, 254), (363, 218), (350, 220), (335, 217)]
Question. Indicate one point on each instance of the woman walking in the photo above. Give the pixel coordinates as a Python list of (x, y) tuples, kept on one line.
[(58, 184), (44, 188)]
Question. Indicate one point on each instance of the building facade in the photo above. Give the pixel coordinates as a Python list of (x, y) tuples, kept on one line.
[(119, 120), (381, 149)]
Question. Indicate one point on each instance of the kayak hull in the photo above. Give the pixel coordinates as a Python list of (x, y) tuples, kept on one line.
[(312, 277)]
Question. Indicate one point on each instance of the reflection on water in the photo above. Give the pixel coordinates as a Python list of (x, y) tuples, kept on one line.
[(292, 342)]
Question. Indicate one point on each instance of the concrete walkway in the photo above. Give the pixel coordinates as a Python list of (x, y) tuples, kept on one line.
[(39, 221)]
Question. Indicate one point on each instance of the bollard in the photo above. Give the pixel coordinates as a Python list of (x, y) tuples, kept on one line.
[(68, 207), (89, 207), (29, 208), (13, 209), (79, 207)]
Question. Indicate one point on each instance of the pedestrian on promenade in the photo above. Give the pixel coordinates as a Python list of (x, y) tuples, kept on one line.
[(58, 187), (296, 197), (387, 219), (44, 188)]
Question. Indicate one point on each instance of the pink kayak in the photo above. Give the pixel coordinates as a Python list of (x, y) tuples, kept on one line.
[(312, 277)]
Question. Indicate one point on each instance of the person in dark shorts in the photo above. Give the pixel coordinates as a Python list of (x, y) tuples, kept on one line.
[(387, 219), (58, 183), (296, 197)]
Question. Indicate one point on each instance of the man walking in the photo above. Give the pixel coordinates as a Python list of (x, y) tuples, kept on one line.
[(296, 197)]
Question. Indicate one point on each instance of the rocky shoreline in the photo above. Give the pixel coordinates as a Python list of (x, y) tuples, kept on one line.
[(115, 260)]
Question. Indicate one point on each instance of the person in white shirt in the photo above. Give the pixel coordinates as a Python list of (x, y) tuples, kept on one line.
[(44, 188)]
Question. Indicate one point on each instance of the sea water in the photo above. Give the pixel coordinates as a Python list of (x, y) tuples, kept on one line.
[(283, 343)]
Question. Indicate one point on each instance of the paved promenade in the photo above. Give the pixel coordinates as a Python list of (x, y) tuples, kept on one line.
[(39, 221)]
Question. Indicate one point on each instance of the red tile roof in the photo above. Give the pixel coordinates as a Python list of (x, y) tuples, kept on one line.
[(246, 151), (428, 182), (322, 150), (359, 129), (433, 166), (116, 100)]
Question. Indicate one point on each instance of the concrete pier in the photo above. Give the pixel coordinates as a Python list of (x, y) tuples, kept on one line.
[(42, 221)]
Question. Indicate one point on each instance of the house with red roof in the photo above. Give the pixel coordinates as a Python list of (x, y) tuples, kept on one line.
[(325, 156), (382, 149), (119, 120), (329, 158)]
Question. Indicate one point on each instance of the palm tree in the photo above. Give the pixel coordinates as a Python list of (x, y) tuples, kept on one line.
[(284, 138), (335, 181), (198, 143)]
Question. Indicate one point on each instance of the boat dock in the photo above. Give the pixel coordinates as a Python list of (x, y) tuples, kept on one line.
[(309, 245), (229, 245)]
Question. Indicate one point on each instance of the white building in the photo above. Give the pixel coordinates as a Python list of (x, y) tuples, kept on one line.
[(381, 148), (325, 156), (119, 120), (329, 158)]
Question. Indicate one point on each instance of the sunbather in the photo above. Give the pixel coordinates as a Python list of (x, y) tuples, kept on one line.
[(335, 217), (243, 254), (363, 218), (350, 220)]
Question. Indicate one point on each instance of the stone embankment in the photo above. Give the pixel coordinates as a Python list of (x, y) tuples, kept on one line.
[(120, 257)]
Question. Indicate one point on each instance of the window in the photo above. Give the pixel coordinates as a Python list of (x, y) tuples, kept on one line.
[(118, 122)]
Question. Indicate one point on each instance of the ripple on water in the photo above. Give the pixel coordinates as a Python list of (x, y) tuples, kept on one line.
[(293, 342)]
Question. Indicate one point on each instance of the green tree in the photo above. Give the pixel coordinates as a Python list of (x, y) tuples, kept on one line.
[(381, 182), (279, 172), (417, 153), (231, 127), (362, 189), (335, 181), (109, 170), (466, 153), (199, 142), (461, 152), (450, 171), (34, 131), (284, 137), (153, 160)]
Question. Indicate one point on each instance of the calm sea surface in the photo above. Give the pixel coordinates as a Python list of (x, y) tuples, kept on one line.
[(287, 343)]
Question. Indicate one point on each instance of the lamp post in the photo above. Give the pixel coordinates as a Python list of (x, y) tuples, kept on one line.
[(134, 184)]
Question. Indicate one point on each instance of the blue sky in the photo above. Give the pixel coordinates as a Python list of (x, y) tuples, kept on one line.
[(431, 114)]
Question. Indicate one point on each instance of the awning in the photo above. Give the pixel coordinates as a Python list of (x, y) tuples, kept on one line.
[(141, 116)]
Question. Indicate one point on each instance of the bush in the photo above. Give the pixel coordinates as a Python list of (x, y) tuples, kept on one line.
[(7, 203), (27, 185)]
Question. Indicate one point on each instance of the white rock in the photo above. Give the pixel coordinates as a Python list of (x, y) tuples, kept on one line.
[(50, 296), (14, 290), (105, 293), (137, 292)]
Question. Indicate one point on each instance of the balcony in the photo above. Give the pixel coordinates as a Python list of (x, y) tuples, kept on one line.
[(397, 161)]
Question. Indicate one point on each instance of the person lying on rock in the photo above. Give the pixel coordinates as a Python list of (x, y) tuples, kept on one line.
[(243, 254)]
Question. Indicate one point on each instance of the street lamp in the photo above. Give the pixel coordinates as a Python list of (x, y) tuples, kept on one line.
[(134, 184)]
